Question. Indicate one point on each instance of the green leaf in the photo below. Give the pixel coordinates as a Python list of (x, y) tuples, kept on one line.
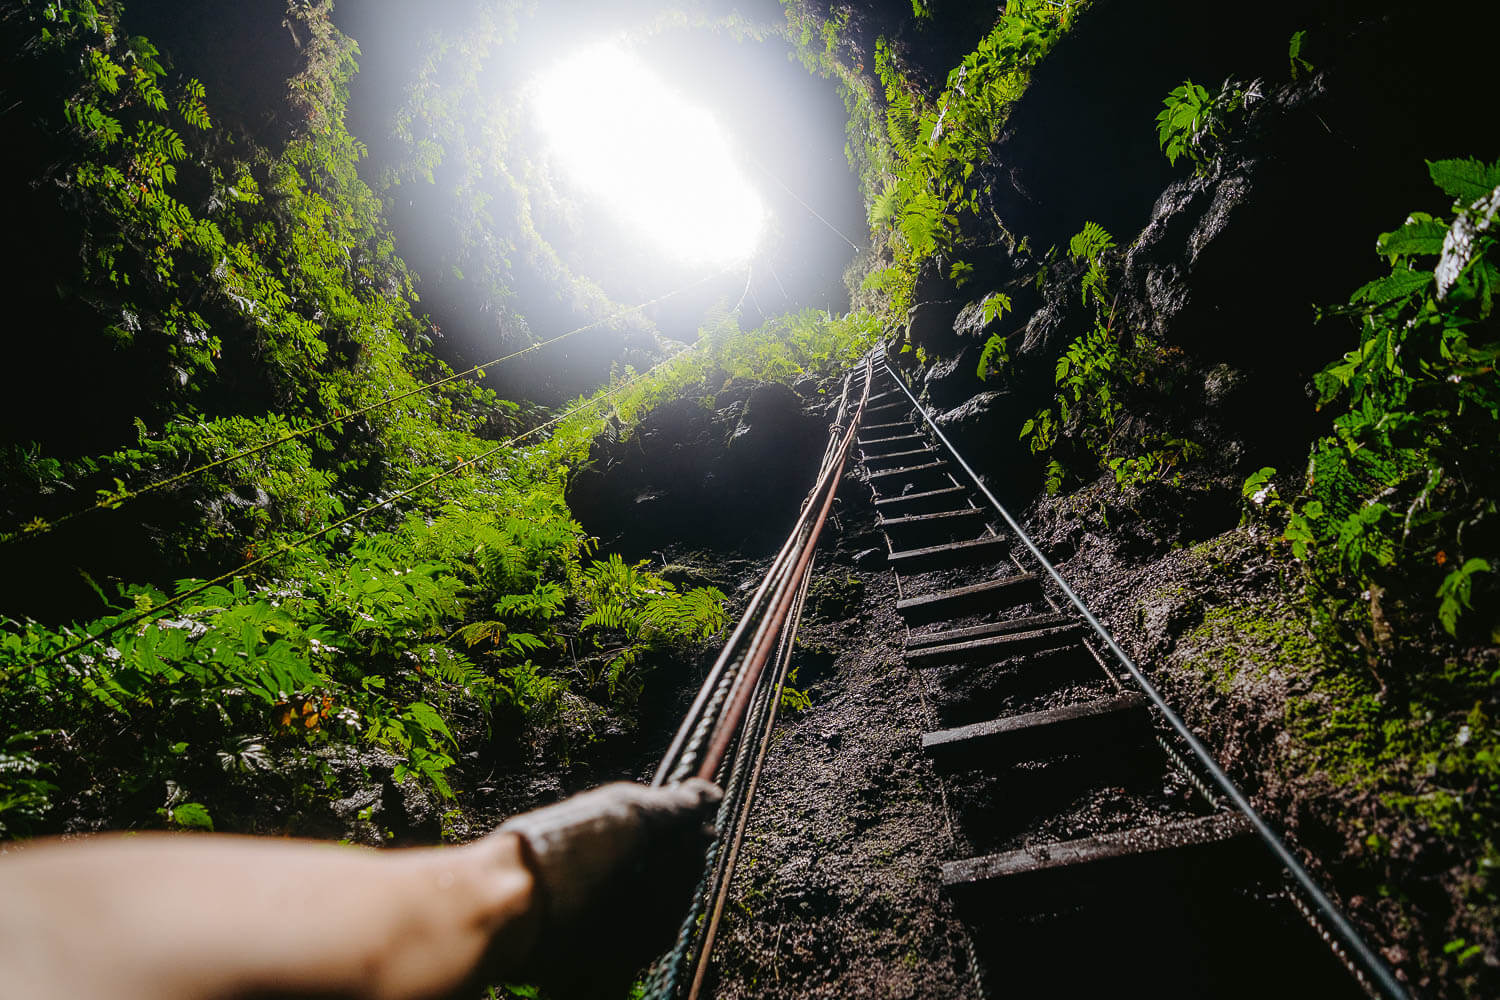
[(1394, 287), (191, 816), (1090, 242), (1466, 180), (1455, 593), (427, 719), (994, 356), (1422, 234), (996, 305), (1257, 481)]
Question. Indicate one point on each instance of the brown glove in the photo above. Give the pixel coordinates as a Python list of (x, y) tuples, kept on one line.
[(615, 868)]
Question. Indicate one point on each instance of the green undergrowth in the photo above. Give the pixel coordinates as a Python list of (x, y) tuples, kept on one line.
[(263, 287), (1101, 379), (1405, 777), (1431, 765), (919, 155), (933, 197), (1396, 521), (465, 615)]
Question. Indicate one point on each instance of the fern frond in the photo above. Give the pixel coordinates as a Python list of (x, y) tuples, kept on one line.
[(472, 635), (1090, 242)]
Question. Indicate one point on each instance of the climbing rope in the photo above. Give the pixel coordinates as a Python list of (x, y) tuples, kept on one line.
[(160, 609), (736, 708), (38, 526)]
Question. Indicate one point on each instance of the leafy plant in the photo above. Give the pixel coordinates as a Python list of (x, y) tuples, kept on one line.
[(996, 354), (646, 610), (1090, 244), (25, 795), (1400, 499), (929, 185), (1299, 64), (1193, 121)]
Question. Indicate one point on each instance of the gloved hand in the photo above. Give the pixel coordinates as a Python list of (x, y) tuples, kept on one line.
[(615, 868)]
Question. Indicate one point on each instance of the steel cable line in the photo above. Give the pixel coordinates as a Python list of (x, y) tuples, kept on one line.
[(296, 543), (39, 527), (811, 211), (704, 716)]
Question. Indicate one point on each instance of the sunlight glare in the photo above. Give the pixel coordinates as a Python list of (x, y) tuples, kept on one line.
[(658, 161)]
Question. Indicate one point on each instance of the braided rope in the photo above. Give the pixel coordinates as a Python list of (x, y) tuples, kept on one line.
[(724, 690), (665, 977)]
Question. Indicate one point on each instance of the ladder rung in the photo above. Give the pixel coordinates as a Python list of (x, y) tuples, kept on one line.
[(948, 555), (994, 647), (1027, 623), (1049, 877), (899, 438), (909, 470), (873, 462), (986, 596), (917, 499), (918, 520), (1088, 725)]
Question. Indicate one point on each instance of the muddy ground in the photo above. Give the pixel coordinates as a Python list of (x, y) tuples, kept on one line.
[(836, 893)]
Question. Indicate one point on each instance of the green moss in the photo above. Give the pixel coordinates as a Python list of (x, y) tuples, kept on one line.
[(834, 599), (1421, 758), (1249, 639)]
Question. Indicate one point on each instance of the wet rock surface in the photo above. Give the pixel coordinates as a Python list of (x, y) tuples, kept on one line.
[(726, 470), (1217, 627)]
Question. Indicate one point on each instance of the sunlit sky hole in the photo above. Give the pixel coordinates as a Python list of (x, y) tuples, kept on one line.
[(660, 163)]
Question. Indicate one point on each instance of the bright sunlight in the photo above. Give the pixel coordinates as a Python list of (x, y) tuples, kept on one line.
[(661, 163)]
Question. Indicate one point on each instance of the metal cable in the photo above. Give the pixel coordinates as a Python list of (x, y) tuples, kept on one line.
[(765, 726), (38, 527), (160, 609), (739, 699), (703, 715), (663, 980)]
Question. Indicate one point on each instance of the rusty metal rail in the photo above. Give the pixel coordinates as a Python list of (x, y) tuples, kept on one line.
[(735, 709)]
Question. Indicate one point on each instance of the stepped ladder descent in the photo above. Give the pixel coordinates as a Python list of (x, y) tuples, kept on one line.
[(983, 609), (1073, 717)]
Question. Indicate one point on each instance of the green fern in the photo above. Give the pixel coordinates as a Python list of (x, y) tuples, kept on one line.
[(477, 632), (1299, 64), (1393, 494), (1090, 244), (994, 357), (1184, 116)]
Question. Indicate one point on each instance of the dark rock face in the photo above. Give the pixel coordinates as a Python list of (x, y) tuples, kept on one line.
[(950, 382), (1222, 270), (930, 326), (696, 475)]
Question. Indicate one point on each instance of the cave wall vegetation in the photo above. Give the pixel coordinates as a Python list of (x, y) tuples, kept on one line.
[(1224, 354)]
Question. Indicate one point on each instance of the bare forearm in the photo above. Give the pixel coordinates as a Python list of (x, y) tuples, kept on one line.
[(175, 917)]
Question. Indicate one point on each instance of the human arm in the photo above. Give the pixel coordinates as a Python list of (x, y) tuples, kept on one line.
[(207, 917)]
